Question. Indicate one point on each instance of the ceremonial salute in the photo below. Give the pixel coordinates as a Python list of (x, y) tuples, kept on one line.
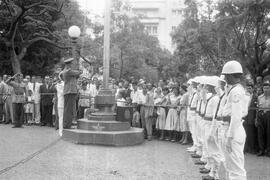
[(70, 76), (263, 120), (18, 95), (233, 112)]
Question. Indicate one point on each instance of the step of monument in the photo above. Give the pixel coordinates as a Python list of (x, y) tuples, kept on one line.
[(133, 136), (101, 117), (86, 124)]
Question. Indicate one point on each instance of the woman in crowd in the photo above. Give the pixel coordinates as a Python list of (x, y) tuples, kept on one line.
[(172, 116), (161, 119)]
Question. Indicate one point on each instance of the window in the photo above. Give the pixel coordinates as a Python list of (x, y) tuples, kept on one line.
[(173, 28), (151, 29), (177, 12)]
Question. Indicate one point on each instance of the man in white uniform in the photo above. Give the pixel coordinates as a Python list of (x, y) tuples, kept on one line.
[(232, 114)]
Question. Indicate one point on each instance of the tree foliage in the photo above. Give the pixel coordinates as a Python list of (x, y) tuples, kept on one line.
[(224, 31), (30, 30)]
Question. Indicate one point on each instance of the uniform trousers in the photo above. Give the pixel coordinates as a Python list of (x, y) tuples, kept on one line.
[(18, 114), (235, 161), (191, 118), (216, 153), (264, 131), (206, 127), (9, 110), (69, 110), (60, 119), (199, 134)]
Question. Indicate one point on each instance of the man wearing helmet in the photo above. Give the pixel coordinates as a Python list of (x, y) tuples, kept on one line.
[(232, 114)]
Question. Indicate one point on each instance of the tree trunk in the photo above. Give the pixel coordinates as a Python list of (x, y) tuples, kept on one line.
[(15, 62)]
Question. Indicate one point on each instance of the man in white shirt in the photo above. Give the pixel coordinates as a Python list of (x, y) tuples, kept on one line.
[(60, 104), (35, 86)]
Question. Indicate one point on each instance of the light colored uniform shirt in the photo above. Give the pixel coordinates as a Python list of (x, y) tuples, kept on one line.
[(235, 108), (211, 106)]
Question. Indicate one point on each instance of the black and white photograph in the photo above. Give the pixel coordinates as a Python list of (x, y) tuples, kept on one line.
[(134, 89)]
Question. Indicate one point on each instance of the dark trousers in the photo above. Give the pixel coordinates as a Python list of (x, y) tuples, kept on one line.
[(264, 131), (69, 110), (1, 112), (251, 144), (18, 114), (81, 112), (46, 114)]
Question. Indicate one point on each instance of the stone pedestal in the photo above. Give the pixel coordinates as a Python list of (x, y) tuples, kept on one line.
[(102, 128)]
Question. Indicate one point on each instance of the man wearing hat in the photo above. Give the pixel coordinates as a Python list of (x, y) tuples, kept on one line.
[(233, 112), (70, 76), (18, 95), (251, 145), (263, 120)]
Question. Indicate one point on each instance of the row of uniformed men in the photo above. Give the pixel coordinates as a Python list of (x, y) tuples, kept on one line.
[(216, 108)]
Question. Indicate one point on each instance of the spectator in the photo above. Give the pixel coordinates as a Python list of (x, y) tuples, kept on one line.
[(29, 108), (46, 102), (120, 100), (149, 110), (84, 100), (2, 88), (135, 94), (251, 144), (136, 117), (36, 97), (172, 116)]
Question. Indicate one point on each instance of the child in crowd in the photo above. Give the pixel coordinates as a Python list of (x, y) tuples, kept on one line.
[(136, 117), (29, 107)]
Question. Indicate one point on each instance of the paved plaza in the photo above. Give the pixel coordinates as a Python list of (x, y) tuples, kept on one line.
[(38, 153)]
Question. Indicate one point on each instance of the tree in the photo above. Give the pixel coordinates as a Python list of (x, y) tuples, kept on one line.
[(245, 26), (40, 23)]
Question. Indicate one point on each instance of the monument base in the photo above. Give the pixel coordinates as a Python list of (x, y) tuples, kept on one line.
[(101, 127)]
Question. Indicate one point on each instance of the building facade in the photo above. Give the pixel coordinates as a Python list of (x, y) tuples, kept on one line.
[(160, 18)]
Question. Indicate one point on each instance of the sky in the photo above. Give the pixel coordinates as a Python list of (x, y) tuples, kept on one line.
[(94, 6)]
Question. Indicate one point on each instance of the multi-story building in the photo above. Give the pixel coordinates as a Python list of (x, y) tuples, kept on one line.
[(160, 18)]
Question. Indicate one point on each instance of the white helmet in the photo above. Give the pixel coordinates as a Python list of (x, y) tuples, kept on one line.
[(222, 78), (213, 81), (203, 79), (189, 81), (232, 67)]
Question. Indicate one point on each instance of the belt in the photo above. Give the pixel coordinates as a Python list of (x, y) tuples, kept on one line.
[(219, 118), (208, 118), (193, 109), (226, 119), (197, 112)]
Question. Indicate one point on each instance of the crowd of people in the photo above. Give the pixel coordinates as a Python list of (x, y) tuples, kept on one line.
[(222, 117)]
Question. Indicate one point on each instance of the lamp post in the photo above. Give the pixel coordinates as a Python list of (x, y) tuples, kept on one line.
[(74, 32)]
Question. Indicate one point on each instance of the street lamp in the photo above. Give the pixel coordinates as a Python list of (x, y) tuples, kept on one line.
[(74, 32)]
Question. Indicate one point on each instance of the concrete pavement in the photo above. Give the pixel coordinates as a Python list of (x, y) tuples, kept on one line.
[(38, 153)]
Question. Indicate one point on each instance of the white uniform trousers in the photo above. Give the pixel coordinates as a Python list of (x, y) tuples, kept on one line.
[(207, 127), (204, 152), (191, 118), (60, 119), (216, 152), (199, 135), (235, 161)]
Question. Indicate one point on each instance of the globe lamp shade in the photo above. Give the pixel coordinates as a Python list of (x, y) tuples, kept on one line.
[(74, 31)]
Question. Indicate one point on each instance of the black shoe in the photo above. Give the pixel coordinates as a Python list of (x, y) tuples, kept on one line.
[(261, 153), (205, 171), (208, 177), (200, 162), (195, 156), (42, 124), (17, 126)]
